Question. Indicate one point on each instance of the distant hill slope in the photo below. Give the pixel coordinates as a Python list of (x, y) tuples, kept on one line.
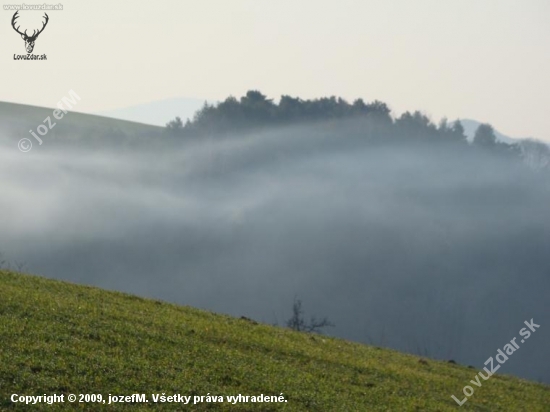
[(470, 127), (17, 119), (67, 339), (157, 113)]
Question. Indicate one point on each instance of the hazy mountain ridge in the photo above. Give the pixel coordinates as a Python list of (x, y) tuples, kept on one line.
[(470, 127), (157, 113)]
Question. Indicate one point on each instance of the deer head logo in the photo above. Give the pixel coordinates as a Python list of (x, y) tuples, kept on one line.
[(29, 40)]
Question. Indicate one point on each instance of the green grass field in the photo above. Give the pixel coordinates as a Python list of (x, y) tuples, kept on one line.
[(57, 337)]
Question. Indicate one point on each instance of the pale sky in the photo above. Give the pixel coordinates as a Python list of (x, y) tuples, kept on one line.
[(487, 60)]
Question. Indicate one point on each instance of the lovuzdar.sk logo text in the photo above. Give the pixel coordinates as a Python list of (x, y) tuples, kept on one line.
[(29, 39)]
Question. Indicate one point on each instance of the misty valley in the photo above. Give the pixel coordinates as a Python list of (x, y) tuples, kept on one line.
[(403, 233)]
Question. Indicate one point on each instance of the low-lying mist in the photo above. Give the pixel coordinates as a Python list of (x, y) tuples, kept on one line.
[(438, 251)]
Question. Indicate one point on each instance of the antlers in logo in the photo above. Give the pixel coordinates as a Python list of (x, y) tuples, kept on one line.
[(29, 40)]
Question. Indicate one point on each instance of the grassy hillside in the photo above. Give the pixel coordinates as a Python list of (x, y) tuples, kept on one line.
[(62, 338), (18, 119)]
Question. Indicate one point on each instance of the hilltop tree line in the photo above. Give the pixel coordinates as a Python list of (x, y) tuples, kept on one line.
[(255, 111)]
